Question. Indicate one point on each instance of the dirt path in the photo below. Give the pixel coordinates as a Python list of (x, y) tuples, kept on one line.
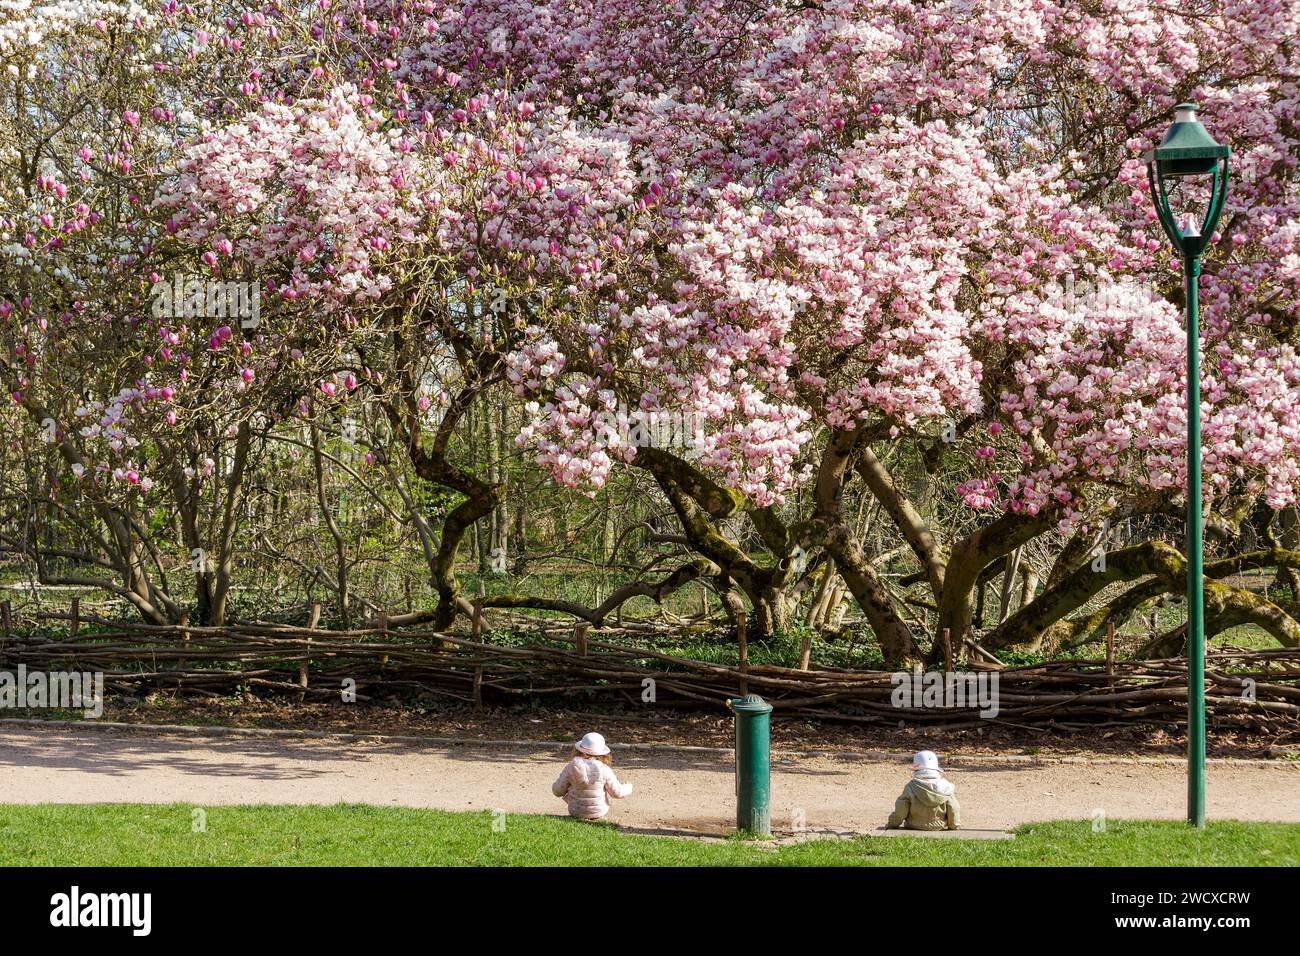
[(674, 789)]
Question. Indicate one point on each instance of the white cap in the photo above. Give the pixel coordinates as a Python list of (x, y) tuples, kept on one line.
[(594, 745), (925, 760)]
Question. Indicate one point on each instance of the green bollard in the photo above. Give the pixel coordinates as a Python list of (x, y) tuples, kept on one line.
[(753, 764)]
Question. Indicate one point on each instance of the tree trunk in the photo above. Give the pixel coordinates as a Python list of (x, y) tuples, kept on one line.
[(342, 598), (1010, 568), (501, 513), (1289, 519), (225, 556)]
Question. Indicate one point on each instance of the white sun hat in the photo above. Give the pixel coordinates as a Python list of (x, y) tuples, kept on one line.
[(593, 745), (925, 760)]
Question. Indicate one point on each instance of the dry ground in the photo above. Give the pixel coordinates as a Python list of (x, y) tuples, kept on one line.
[(675, 788)]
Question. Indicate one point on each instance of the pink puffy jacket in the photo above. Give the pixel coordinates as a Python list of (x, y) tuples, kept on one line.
[(585, 785)]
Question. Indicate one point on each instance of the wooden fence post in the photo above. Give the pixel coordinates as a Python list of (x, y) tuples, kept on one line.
[(305, 664), (1110, 656), (580, 638), (182, 621), (6, 619), (74, 625), (1110, 663), (476, 633), (742, 638)]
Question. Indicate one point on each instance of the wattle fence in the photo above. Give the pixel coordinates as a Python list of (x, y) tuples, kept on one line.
[(1246, 688)]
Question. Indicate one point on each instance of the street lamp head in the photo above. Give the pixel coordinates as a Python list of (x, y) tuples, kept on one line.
[(1188, 150)]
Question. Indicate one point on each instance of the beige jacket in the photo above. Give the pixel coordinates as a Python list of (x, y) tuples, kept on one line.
[(586, 785), (927, 803)]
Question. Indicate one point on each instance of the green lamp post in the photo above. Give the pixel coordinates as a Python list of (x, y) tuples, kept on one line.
[(1189, 151)]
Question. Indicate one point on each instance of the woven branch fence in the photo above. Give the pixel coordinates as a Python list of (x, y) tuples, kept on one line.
[(1245, 687)]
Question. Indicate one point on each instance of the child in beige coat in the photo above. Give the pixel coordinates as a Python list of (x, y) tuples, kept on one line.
[(928, 801), (587, 782)]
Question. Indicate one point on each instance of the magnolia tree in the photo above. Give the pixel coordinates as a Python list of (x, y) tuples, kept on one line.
[(925, 227), (778, 260), (877, 243)]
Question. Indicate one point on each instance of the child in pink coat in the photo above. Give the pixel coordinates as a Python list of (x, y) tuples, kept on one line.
[(587, 781)]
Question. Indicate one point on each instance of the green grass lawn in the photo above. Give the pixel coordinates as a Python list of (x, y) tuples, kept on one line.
[(164, 835)]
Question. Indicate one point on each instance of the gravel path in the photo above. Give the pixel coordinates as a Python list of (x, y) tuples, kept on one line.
[(675, 789)]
